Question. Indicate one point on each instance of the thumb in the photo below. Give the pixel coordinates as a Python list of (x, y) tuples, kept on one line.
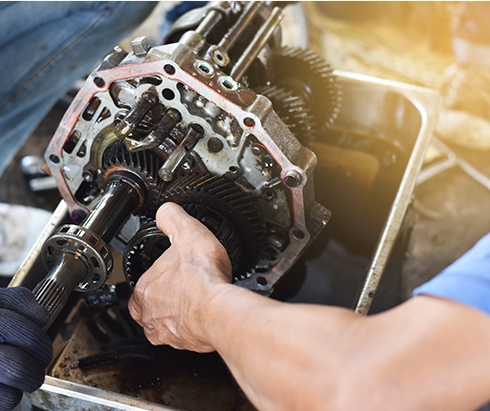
[(174, 221)]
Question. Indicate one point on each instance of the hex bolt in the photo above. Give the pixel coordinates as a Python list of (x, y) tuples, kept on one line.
[(89, 175)]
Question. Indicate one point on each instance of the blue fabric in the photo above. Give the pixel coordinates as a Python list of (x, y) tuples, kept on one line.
[(467, 280), (45, 47), (25, 349)]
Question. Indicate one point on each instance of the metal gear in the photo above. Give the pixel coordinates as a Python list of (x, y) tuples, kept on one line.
[(308, 75), (293, 111), (119, 162), (221, 206), (142, 251), (231, 214)]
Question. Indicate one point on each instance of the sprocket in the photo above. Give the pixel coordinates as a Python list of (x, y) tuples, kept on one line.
[(118, 162), (142, 251), (308, 75), (293, 111), (227, 211), (230, 213)]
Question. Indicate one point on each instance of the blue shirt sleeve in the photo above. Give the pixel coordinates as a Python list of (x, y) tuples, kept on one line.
[(467, 280)]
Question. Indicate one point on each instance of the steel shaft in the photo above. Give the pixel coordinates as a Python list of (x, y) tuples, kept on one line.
[(72, 262)]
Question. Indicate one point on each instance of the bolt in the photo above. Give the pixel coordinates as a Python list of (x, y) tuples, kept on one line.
[(215, 145), (256, 150), (88, 175), (292, 179)]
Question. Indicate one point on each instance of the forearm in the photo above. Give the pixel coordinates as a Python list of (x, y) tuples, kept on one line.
[(425, 355), (283, 356)]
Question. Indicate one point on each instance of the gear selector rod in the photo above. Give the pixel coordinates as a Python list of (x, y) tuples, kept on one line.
[(77, 255)]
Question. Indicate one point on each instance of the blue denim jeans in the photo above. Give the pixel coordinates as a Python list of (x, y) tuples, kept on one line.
[(45, 47)]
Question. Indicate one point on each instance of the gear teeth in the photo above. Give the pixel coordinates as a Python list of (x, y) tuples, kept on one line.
[(243, 234), (146, 166), (293, 111), (304, 65)]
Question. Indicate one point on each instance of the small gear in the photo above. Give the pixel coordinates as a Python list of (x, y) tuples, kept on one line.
[(293, 111), (119, 162), (142, 251), (307, 74)]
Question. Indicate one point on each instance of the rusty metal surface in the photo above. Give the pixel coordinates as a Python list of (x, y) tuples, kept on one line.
[(403, 117), (163, 377), (126, 389), (155, 375)]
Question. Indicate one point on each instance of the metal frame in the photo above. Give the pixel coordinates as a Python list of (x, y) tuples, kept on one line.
[(57, 394)]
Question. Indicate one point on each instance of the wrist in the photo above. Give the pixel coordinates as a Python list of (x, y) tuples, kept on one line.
[(212, 318)]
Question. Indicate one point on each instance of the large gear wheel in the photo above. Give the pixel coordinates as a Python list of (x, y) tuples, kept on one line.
[(228, 212), (307, 75), (119, 162), (221, 206), (293, 111)]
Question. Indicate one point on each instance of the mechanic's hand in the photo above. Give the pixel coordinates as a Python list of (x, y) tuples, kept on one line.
[(169, 300), (25, 349)]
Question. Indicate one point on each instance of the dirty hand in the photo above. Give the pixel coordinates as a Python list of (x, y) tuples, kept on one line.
[(171, 298), (25, 349)]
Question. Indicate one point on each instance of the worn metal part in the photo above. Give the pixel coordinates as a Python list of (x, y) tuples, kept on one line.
[(219, 127), (156, 137), (77, 256), (235, 32), (122, 108), (258, 42), (424, 105), (26, 275), (140, 46), (181, 152)]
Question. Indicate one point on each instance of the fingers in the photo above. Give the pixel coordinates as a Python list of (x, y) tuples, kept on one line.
[(186, 233), (19, 369), (134, 307), (9, 397), (18, 331), (22, 301), (165, 299)]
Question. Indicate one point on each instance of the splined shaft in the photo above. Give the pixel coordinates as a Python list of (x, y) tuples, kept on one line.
[(78, 256)]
